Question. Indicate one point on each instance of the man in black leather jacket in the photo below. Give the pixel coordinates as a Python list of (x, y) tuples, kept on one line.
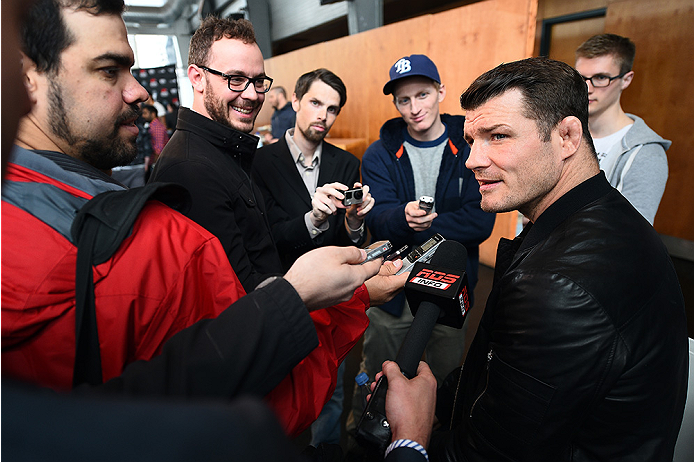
[(581, 353)]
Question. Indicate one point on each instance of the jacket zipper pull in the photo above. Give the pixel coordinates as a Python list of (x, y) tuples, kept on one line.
[(490, 355)]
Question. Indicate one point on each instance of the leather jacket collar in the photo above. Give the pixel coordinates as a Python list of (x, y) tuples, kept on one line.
[(590, 190), (583, 194)]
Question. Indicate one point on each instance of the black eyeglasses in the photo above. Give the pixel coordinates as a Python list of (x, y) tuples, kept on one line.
[(602, 80), (239, 83)]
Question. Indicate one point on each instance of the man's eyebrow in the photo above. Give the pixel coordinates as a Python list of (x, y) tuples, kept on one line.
[(482, 131), (491, 128), (122, 60), (244, 74)]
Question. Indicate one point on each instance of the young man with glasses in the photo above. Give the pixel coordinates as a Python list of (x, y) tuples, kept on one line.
[(630, 153), (211, 151)]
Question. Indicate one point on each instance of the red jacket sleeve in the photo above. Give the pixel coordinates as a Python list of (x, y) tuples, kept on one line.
[(300, 397)]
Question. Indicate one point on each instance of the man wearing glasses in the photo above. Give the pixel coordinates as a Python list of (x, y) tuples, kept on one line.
[(210, 154), (211, 151), (630, 153)]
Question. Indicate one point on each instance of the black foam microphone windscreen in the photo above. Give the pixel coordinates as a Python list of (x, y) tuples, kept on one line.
[(450, 254)]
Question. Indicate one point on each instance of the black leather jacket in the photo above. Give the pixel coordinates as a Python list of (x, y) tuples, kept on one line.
[(581, 353)]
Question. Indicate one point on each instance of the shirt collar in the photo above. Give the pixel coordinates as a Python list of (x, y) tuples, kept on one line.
[(296, 152), (76, 166)]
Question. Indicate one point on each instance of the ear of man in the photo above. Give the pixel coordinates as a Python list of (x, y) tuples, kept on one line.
[(626, 80), (570, 132), (197, 80), (442, 93), (33, 80)]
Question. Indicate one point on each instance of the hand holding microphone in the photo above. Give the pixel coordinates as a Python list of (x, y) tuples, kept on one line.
[(436, 292), (410, 403)]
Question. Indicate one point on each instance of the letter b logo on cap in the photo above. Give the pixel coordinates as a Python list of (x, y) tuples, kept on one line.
[(402, 66)]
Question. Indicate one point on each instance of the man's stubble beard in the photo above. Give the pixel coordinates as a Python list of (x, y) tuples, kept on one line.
[(218, 110), (104, 153), (313, 135)]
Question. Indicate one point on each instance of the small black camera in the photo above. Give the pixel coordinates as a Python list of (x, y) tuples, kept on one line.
[(353, 196)]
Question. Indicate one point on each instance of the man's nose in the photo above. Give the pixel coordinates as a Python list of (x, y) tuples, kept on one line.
[(476, 159), (414, 107), (133, 92), (250, 92)]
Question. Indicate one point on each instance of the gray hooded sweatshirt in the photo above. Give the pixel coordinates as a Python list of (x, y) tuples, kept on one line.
[(640, 171)]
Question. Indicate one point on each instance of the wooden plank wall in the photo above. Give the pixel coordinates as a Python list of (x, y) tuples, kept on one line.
[(463, 42), (661, 93), (662, 31)]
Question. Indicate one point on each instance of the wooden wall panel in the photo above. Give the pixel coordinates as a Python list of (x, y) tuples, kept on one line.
[(463, 42), (548, 9), (554, 8), (566, 37), (661, 94)]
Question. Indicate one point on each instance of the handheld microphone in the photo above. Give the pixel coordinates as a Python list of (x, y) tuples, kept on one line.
[(436, 292)]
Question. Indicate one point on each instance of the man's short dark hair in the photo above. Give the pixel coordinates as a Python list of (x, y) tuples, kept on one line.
[(45, 35), (305, 81), (213, 29), (150, 108), (620, 47), (551, 91)]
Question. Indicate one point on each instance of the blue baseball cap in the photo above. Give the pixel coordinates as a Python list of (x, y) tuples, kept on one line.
[(410, 66)]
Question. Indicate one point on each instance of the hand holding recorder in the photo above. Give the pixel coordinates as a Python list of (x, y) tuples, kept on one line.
[(417, 218)]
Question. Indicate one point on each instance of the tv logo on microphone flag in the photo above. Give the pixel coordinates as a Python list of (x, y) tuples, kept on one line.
[(435, 279), (448, 287)]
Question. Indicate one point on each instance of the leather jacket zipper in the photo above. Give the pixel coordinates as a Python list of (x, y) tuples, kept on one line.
[(490, 355), (455, 400)]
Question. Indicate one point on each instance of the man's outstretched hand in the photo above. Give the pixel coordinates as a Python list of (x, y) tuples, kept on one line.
[(329, 275), (385, 285)]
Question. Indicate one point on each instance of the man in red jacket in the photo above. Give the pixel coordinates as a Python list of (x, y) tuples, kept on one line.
[(168, 273), (241, 428)]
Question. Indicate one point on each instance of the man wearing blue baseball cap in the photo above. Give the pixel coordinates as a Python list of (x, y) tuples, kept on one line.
[(421, 153)]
